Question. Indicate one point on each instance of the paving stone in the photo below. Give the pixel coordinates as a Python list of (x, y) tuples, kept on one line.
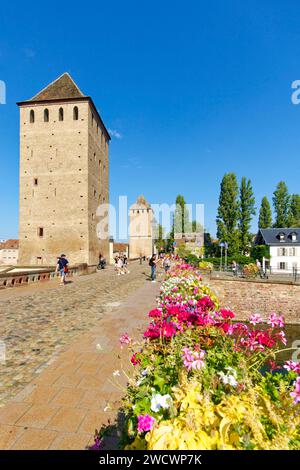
[(34, 439)]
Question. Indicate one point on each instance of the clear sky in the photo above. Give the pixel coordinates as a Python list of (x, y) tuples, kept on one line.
[(191, 90)]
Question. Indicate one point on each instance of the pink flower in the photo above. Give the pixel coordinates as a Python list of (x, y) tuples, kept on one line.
[(281, 336), (193, 359), (145, 423), (293, 366), (255, 319), (155, 313), (276, 321), (296, 393), (135, 360), (125, 339), (226, 313)]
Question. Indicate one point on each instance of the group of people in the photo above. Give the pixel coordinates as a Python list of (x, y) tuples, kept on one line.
[(121, 264), (165, 262)]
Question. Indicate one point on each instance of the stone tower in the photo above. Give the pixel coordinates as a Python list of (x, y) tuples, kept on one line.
[(140, 229), (64, 168)]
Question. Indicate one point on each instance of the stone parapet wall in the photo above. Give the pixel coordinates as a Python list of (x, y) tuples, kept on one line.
[(11, 279), (247, 297)]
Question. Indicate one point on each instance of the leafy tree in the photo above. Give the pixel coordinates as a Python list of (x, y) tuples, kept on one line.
[(281, 202), (265, 214), (228, 213), (160, 241), (260, 251), (246, 211), (294, 211), (181, 216)]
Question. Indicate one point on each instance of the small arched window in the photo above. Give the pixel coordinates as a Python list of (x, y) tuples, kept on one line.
[(75, 113), (31, 116), (61, 114), (46, 115)]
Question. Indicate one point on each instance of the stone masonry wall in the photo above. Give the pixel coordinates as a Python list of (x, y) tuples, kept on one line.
[(247, 297)]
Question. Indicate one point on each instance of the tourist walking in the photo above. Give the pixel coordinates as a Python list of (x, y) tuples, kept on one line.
[(166, 264), (119, 266), (62, 268), (125, 265), (234, 268), (152, 263)]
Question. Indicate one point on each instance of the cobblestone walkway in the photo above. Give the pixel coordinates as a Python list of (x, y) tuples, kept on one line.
[(63, 404), (35, 323)]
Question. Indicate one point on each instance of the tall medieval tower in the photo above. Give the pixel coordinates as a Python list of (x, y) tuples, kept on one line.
[(64, 167), (140, 229)]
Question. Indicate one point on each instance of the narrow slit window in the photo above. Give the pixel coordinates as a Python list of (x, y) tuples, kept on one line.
[(46, 115), (61, 114), (31, 118), (41, 231), (35, 181), (75, 113)]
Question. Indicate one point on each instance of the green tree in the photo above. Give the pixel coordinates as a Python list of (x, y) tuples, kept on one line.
[(228, 213), (294, 211), (246, 211), (265, 214), (182, 223), (281, 202), (160, 241), (260, 251)]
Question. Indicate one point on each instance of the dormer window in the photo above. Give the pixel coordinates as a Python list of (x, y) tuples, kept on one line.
[(294, 236), (281, 236)]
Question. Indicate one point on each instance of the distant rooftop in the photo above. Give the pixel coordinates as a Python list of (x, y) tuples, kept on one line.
[(279, 236), (141, 203), (10, 244)]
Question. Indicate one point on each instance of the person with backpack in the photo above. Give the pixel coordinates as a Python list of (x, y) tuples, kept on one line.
[(62, 268), (152, 263)]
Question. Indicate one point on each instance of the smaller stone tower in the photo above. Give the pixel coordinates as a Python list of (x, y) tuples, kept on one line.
[(140, 229)]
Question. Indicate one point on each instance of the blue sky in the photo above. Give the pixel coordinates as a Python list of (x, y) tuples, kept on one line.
[(195, 89)]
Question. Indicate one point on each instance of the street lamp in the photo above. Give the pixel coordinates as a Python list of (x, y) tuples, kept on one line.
[(226, 249), (222, 244)]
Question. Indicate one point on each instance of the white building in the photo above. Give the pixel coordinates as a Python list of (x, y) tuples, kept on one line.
[(9, 252), (284, 244)]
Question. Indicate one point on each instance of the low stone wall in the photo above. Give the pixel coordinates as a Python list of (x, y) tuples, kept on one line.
[(247, 297), (15, 279)]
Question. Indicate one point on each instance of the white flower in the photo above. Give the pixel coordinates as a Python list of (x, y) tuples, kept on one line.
[(99, 347), (116, 373), (228, 379), (107, 408), (160, 401)]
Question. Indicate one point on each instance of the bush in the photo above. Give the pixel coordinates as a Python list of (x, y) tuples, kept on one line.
[(250, 270)]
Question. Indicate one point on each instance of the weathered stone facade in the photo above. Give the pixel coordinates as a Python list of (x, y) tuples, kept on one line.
[(140, 229), (247, 297), (64, 166)]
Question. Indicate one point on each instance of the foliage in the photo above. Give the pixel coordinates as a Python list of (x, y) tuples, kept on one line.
[(198, 381), (181, 216), (205, 266), (265, 214), (260, 251), (228, 213), (294, 211), (246, 211), (281, 202)]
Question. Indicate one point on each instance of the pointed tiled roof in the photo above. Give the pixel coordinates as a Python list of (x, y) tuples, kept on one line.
[(62, 88)]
